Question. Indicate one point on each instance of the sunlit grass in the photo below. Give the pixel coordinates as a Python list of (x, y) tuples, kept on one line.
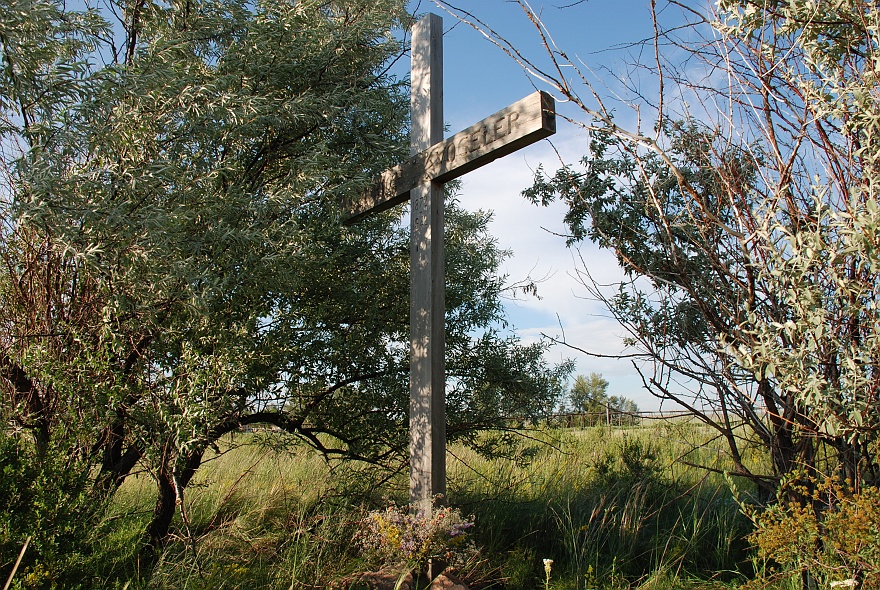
[(612, 507)]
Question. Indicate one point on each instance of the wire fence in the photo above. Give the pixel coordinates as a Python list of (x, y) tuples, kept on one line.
[(611, 418)]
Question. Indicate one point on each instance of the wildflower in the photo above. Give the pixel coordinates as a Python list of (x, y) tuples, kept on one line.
[(548, 567), (397, 535)]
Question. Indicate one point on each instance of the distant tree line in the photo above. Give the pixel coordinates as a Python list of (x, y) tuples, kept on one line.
[(589, 404)]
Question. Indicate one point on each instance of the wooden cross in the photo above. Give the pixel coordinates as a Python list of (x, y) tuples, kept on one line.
[(421, 180)]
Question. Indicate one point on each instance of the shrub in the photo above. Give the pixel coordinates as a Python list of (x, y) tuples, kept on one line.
[(44, 497), (824, 530), (406, 536)]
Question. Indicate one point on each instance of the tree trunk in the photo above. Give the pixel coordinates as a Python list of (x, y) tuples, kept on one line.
[(163, 513)]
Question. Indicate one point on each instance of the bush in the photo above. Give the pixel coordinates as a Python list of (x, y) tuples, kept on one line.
[(45, 497), (822, 530), (404, 536)]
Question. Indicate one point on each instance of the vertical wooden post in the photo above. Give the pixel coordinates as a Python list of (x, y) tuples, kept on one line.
[(427, 412)]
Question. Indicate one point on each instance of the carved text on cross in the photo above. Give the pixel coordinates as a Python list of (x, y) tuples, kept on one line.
[(522, 123)]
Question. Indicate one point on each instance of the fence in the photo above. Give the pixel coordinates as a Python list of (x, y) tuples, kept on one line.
[(610, 418)]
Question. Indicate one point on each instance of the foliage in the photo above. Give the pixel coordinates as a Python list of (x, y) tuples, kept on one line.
[(173, 262), (46, 505), (161, 201), (837, 544), (589, 394), (405, 536), (745, 218)]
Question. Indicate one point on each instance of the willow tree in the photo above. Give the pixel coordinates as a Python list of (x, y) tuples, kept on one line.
[(174, 266), (741, 202)]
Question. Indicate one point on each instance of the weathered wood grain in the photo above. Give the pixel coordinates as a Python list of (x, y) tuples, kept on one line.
[(421, 177), (524, 122), (427, 262)]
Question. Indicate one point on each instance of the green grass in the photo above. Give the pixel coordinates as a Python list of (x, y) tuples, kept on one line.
[(612, 508)]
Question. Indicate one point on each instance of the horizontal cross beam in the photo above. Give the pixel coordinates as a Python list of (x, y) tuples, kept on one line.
[(524, 122)]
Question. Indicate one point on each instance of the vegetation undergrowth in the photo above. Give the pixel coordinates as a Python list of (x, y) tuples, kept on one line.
[(47, 508), (610, 507), (828, 536)]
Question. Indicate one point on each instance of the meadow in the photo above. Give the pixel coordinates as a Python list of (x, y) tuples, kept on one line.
[(612, 507)]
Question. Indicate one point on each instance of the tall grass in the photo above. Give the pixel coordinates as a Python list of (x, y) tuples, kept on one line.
[(612, 508), (252, 517)]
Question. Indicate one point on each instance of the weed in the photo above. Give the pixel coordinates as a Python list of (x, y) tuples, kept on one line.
[(405, 536), (829, 535)]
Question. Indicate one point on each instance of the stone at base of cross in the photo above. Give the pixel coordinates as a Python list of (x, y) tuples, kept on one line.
[(389, 578)]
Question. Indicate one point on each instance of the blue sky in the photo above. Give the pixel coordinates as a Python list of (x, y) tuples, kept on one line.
[(480, 79)]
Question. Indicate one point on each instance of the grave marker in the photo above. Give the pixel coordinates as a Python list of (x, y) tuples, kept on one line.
[(420, 179)]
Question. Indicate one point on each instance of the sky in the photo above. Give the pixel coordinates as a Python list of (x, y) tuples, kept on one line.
[(479, 79)]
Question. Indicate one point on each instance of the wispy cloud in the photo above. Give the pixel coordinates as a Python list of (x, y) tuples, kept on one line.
[(536, 237)]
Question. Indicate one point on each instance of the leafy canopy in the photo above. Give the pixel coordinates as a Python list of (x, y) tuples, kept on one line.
[(745, 219), (173, 262)]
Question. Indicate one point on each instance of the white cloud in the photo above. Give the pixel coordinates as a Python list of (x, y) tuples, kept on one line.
[(535, 235)]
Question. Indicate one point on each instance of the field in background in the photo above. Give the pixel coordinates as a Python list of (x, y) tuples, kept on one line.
[(613, 508)]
